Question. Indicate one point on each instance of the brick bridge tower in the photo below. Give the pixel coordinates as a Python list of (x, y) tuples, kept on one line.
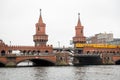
[(40, 38), (79, 36)]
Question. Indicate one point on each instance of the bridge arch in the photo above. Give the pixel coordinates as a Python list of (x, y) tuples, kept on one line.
[(46, 51), (94, 52), (117, 62), (38, 51), (88, 52), (3, 52), (39, 62), (2, 64)]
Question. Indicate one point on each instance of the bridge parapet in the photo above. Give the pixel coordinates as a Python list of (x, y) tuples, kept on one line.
[(86, 55), (35, 54)]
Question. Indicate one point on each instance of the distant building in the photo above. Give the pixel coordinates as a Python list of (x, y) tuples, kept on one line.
[(100, 38), (115, 41)]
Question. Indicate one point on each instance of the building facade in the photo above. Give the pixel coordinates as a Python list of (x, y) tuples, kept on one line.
[(116, 41), (101, 38)]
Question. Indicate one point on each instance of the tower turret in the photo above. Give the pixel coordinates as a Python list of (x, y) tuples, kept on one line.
[(40, 38), (79, 34)]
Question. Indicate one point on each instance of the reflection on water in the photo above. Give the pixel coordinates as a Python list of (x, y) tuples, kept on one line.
[(110, 72), (25, 63)]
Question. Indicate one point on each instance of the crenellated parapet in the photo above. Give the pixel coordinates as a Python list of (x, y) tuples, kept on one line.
[(42, 48), (3, 48)]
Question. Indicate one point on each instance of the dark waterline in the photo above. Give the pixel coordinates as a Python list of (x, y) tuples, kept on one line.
[(92, 72)]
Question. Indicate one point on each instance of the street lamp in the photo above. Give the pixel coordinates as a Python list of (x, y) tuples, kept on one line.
[(58, 44), (10, 43)]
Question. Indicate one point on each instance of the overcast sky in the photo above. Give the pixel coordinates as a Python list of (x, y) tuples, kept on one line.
[(18, 19)]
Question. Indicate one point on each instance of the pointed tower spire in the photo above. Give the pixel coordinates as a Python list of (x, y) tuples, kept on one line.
[(79, 33), (40, 38), (40, 18), (79, 22)]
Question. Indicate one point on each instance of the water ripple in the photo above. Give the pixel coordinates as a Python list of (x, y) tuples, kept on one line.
[(110, 72)]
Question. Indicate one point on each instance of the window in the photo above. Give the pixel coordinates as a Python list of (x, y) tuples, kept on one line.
[(81, 31), (38, 28)]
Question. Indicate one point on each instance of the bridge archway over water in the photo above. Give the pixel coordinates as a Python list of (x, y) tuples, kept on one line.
[(39, 62), (117, 62), (2, 64)]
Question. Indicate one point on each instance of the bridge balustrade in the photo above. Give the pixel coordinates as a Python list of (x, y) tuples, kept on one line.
[(35, 54), (87, 55)]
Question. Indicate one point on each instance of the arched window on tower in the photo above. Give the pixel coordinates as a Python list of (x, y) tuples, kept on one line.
[(38, 28), (81, 31)]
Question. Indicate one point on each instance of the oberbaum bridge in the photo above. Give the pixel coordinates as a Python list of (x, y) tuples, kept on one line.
[(42, 54)]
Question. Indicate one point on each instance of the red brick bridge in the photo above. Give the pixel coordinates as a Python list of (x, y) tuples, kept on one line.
[(116, 59), (38, 60)]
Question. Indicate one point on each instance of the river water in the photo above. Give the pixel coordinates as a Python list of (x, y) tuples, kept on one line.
[(106, 72)]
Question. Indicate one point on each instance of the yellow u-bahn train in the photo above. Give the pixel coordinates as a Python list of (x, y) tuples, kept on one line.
[(79, 45)]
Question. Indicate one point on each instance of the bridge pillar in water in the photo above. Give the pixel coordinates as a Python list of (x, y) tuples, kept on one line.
[(62, 59), (7, 61), (11, 61)]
